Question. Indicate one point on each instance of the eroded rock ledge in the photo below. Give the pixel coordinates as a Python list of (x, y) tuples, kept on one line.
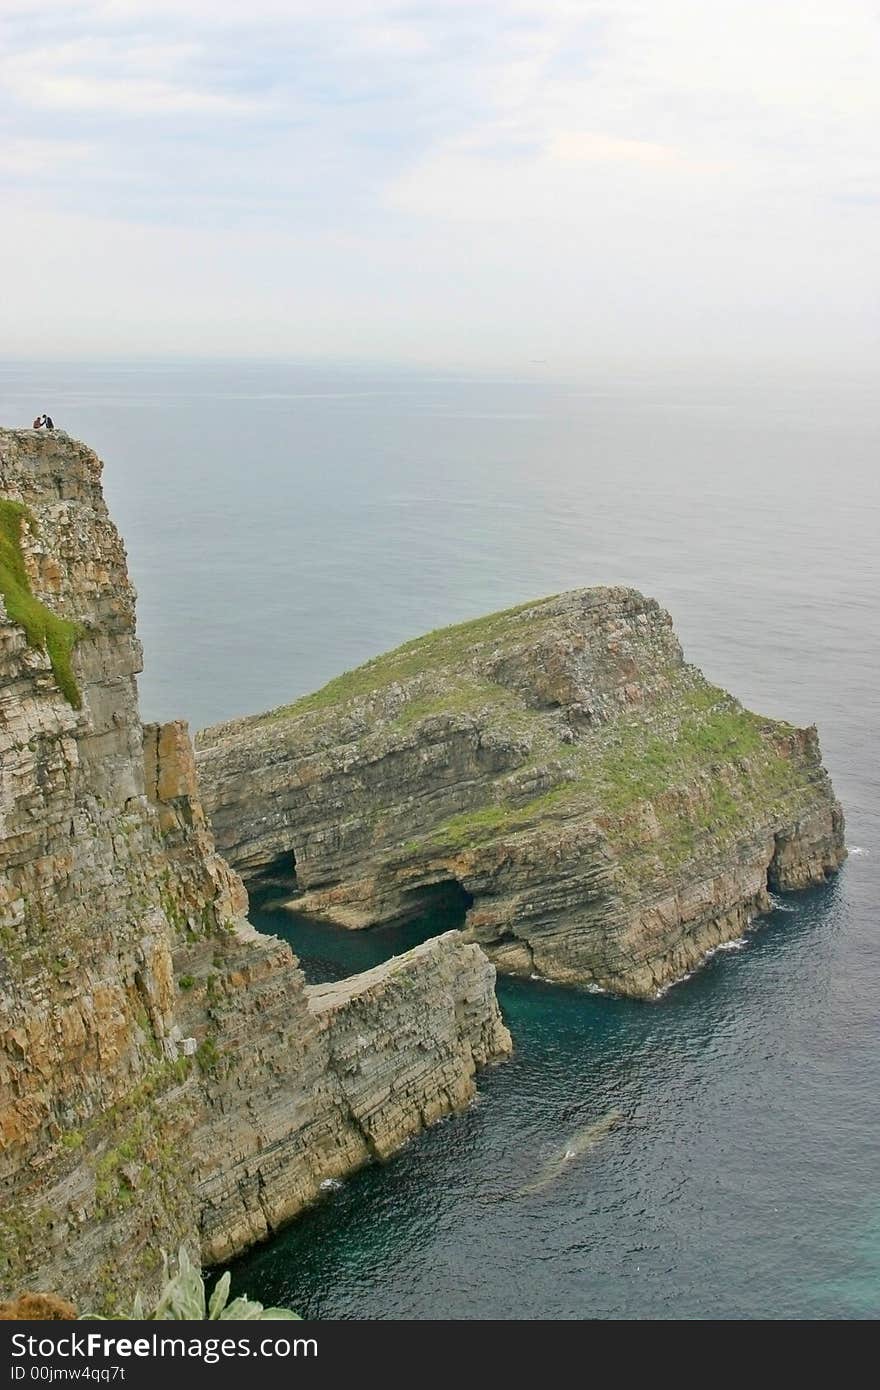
[(165, 1074), (606, 814)]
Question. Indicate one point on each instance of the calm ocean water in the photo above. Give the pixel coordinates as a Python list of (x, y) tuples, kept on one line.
[(284, 523)]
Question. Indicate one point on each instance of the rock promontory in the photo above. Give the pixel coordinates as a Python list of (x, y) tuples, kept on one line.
[(602, 813), (166, 1076)]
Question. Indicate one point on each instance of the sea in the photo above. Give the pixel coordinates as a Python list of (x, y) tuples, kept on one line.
[(286, 521)]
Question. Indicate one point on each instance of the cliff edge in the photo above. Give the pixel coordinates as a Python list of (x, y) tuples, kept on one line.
[(165, 1074), (603, 813)]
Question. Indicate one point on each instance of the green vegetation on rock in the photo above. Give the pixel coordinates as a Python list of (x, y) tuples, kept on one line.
[(608, 813), (615, 769), (183, 1299), (445, 646), (463, 697), (43, 628), (207, 1055)]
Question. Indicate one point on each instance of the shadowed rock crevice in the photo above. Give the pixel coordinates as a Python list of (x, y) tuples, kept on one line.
[(444, 899), (278, 878)]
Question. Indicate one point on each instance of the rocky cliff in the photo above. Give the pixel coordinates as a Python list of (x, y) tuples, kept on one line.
[(165, 1075), (603, 813)]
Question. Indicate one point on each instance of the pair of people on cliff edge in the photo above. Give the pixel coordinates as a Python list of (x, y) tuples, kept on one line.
[(44, 422)]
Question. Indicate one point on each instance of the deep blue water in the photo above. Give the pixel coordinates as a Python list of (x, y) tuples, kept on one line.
[(284, 523)]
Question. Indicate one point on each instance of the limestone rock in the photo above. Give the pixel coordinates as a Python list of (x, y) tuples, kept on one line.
[(606, 815), (165, 1075)]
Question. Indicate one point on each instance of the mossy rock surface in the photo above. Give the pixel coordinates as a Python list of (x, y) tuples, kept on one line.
[(595, 797), (45, 630)]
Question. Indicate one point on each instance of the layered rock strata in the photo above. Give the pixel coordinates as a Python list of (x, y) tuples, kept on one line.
[(165, 1074), (605, 814)]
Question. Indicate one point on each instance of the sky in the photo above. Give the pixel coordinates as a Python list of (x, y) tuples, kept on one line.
[(477, 183)]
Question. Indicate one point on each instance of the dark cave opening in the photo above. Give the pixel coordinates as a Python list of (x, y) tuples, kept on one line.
[(447, 901), (330, 952), (277, 879)]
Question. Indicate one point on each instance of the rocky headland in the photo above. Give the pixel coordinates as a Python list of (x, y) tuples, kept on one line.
[(602, 814), (166, 1076)]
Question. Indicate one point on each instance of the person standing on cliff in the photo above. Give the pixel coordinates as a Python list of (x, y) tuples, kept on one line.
[(48, 422)]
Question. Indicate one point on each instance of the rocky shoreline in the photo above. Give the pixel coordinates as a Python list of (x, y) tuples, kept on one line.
[(166, 1076), (604, 815), (598, 813)]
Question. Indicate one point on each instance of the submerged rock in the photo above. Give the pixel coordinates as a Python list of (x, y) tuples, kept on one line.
[(603, 813), (578, 1146)]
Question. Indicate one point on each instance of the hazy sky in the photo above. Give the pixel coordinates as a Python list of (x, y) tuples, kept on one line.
[(456, 181)]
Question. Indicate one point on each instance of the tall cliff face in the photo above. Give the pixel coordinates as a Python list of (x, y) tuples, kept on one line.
[(165, 1075), (607, 815)]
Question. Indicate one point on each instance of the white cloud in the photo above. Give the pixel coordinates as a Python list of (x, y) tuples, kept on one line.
[(577, 146), (121, 97), (22, 157), (120, 76), (454, 178)]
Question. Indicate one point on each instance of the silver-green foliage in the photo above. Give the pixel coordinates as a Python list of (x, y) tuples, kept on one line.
[(183, 1298)]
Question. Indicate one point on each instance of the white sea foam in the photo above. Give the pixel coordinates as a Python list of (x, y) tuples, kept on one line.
[(736, 945), (856, 849), (331, 1184), (779, 905), (680, 979)]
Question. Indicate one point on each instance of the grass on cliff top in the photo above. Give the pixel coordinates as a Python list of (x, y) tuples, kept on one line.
[(445, 646), (500, 818), (43, 628), (628, 762), (461, 697)]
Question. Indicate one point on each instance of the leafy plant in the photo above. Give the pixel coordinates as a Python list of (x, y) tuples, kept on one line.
[(183, 1299)]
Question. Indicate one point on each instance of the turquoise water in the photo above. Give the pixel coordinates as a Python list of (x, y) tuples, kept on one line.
[(284, 523), (327, 952), (743, 1181)]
